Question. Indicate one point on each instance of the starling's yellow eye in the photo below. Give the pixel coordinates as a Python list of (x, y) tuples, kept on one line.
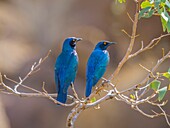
[(105, 43), (74, 40)]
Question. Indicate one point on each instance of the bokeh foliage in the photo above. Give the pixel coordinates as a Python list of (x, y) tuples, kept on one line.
[(160, 8)]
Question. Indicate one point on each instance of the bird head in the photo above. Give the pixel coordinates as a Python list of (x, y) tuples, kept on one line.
[(103, 45), (70, 43)]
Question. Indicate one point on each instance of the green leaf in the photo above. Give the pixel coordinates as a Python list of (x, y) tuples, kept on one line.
[(157, 3), (155, 85), (166, 13), (151, 1), (145, 4), (163, 1), (162, 4), (143, 11), (157, 6), (167, 3), (122, 1), (161, 93), (167, 75), (164, 17), (168, 25), (169, 70), (93, 99), (132, 96), (149, 14), (163, 24)]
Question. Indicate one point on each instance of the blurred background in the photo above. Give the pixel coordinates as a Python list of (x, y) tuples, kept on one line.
[(30, 28)]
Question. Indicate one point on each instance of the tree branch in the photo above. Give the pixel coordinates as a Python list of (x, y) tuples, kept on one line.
[(129, 50), (150, 45), (34, 68)]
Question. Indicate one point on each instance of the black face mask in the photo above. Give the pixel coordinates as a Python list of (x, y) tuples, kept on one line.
[(72, 44)]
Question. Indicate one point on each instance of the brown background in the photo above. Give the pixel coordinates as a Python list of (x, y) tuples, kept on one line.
[(29, 28)]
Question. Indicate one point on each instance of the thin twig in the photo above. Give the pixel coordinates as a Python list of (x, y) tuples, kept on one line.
[(145, 114), (126, 33), (27, 87), (129, 50), (40, 94), (165, 115), (157, 104), (150, 45), (34, 68), (74, 92), (150, 72), (130, 17), (163, 52), (137, 86)]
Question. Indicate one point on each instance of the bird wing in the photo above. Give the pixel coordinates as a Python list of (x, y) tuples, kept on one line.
[(57, 70), (97, 64), (65, 70)]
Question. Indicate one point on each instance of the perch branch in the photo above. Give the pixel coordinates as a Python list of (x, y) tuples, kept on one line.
[(34, 68)]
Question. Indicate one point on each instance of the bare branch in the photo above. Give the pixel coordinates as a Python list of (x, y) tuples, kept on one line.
[(163, 52), (159, 62), (157, 104), (109, 95), (27, 87), (150, 45), (130, 17), (74, 92), (38, 94), (155, 113), (73, 115), (34, 68), (150, 72), (129, 50), (165, 115), (145, 114), (126, 33), (137, 86)]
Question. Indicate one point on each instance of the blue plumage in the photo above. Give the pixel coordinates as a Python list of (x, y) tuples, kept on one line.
[(96, 65), (66, 68)]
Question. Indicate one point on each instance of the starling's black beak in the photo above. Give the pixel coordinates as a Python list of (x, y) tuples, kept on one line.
[(78, 39), (110, 43)]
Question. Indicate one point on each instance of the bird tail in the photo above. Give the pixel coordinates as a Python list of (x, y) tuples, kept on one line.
[(88, 88), (62, 97)]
